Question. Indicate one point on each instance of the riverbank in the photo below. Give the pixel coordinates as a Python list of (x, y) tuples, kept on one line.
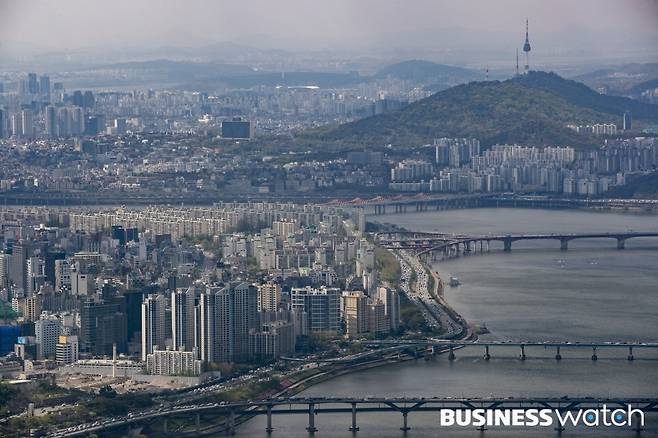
[(389, 272), (521, 295), (310, 381)]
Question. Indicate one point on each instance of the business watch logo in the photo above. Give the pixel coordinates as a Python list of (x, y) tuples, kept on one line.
[(604, 416)]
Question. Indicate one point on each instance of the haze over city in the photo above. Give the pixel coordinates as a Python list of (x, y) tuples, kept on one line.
[(357, 218), (453, 31)]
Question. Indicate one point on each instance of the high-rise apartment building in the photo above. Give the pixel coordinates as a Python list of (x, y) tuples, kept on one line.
[(227, 316), (3, 123), (18, 264), (16, 125), (102, 325), (354, 309), (51, 122), (4, 270), (183, 318), (153, 324), (32, 83), (44, 86), (320, 308), (27, 123), (628, 121), (49, 265), (245, 306), (215, 325), (269, 297), (62, 274), (391, 300), (47, 333)]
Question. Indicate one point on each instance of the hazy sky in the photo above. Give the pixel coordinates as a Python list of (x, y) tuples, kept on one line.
[(326, 24)]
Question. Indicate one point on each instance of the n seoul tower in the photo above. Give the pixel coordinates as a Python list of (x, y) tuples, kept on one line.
[(526, 49)]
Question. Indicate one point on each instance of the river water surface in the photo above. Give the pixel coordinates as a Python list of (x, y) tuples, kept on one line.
[(592, 292)]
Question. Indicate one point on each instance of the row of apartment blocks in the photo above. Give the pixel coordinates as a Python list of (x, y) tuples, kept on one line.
[(549, 180), (196, 222), (242, 322), (517, 168), (596, 129)]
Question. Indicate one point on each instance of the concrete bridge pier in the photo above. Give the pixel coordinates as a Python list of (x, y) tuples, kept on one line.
[(564, 244), (311, 419), (594, 356), (522, 357), (507, 245), (630, 353), (621, 243), (354, 427), (487, 356), (405, 426), (269, 428), (558, 356), (197, 423), (451, 355), (165, 430)]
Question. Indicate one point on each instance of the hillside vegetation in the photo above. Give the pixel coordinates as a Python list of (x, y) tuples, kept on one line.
[(532, 110)]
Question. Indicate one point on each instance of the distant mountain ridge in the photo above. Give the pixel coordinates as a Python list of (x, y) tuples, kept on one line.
[(427, 72), (620, 80), (533, 109), (206, 75)]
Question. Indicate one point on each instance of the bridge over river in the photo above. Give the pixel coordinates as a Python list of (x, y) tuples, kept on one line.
[(425, 244), (313, 406), (431, 345)]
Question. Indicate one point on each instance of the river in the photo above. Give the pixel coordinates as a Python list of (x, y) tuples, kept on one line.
[(592, 292)]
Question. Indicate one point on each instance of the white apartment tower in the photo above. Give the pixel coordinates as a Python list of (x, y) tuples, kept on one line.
[(153, 324)]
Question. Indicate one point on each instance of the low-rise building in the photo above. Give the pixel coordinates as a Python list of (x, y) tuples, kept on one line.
[(66, 350), (173, 363), (276, 339)]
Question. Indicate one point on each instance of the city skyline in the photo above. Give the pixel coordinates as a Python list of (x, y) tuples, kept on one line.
[(410, 215)]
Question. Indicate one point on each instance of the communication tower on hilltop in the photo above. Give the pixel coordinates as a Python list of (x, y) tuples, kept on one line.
[(526, 49)]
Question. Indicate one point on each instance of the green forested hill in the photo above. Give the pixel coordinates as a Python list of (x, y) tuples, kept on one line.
[(581, 95), (512, 111)]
